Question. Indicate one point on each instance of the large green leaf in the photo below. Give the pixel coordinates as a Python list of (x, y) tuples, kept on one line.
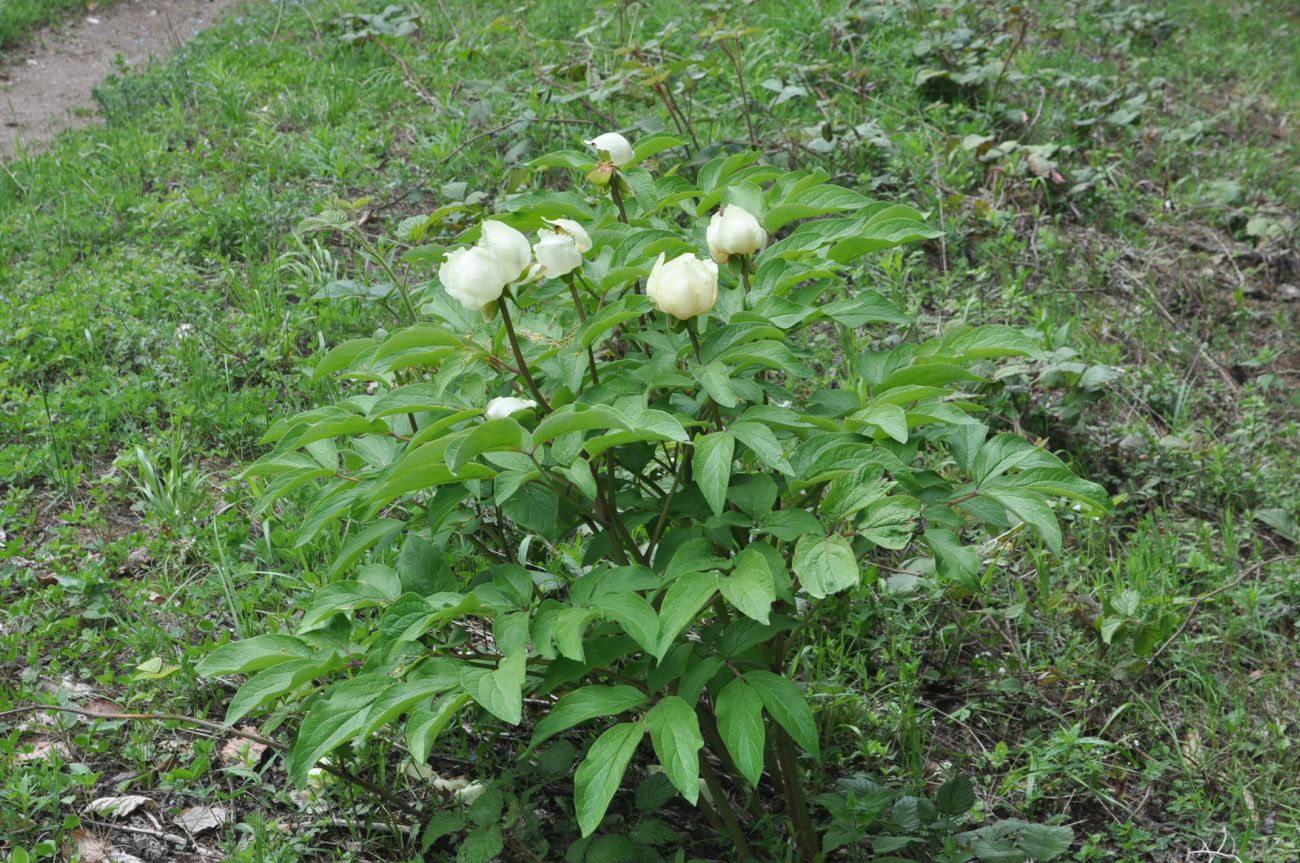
[(675, 733), (500, 691), (740, 723), (786, 704), (254, 654), (502, 435), (825, 564), (333, 721), (424, 725), (891, 521), (583, 705), (682, 602), (750, 587), (634, 614), (711, 465), (278, 680), (571, 418), (601, 772)]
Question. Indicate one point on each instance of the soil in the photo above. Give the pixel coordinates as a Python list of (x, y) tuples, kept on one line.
[(45, 85)]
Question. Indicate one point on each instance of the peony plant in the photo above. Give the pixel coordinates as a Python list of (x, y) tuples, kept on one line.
[(598, 489)]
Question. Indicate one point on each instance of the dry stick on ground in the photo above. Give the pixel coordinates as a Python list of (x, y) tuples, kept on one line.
[(1196, 603), (378, 790)]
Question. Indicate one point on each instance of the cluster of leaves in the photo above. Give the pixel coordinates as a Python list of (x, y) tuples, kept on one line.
[(639, 549)]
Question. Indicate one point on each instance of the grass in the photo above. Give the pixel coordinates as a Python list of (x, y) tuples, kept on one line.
[(19, 17), (159, 313)]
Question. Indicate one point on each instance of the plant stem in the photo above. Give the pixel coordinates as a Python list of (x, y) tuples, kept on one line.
[(725, 810), (695, 340), (617, 195), (582, 317), (668, 502), (793, 780), (744, 273), (519, 355), (744, 96)]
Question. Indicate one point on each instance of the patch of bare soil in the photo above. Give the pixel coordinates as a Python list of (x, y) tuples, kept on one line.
[(45, 86)]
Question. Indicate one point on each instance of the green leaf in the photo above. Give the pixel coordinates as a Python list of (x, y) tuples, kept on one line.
[(402, 697), (1042, 842), (986, 342), (675, 733), (763, 443), (481, 845), (583, 705), (785, 704), (711, 464), (424, 726), (652, 145), (716, 380), (632, 612), (503, 435), (424, 468), (890, 522), (740, 723), (276, 681), (571, 418), (342, 596), (1031, 509), (816, 201), (601, 772), (889, 418), (682, 602), (880, 235), (333, 721), (825, 564), (611, 316), (955, 797), (499, 692), (253, 654), (750, 587)]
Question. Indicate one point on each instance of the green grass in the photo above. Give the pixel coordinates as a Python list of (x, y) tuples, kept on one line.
[(156, 297), (19, 17)]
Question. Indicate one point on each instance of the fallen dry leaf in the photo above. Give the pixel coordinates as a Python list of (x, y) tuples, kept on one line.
[(101, 707), (197, 819), (43, 749), (86, 846), (242, 752), (119, 807)]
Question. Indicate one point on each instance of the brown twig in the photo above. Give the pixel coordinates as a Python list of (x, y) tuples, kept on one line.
[(1198, 601)]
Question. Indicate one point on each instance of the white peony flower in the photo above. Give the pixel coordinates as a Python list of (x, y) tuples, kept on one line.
[(559, 248), (558, 254), (734, 231), (683, 287), (573, 229), (477, 275), (508, 247), (472, 276), (503, 406), (620, 151)]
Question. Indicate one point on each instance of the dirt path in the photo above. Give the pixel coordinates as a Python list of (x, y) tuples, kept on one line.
[(45, 85)]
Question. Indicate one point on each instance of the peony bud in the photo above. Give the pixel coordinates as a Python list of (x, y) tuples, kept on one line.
[(476, 276), (560, 247), (683, 287), (503, 406), (620, 151), (734, 231)]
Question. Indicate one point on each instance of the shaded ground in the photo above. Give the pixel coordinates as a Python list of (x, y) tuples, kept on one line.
[(45, 86)]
